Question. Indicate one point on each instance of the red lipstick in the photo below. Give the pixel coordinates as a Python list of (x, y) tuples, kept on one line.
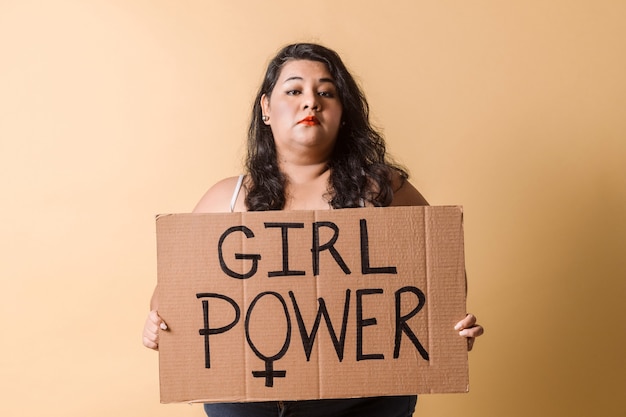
[(309, 121)]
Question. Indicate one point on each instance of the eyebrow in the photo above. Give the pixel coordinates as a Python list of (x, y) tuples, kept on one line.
[(322, 80)]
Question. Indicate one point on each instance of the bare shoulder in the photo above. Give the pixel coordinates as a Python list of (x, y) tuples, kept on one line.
[(405, 194), (217, 198)]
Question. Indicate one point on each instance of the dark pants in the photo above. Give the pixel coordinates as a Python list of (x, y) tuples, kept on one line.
[(354, 407)]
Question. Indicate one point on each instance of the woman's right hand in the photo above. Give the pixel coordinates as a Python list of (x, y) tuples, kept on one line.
[(151, 330)]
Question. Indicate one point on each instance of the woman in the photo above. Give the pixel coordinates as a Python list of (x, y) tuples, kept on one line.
[(311, 147)]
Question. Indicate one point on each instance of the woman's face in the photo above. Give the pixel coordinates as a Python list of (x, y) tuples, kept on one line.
[(304, 110)]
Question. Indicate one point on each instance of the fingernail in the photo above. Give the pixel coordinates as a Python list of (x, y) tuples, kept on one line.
[(163, 326), (458, 326)]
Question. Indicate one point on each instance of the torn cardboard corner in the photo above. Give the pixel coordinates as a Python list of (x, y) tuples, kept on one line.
[(294, 305)]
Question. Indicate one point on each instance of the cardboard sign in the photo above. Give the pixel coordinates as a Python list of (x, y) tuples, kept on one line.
[(294, 305)]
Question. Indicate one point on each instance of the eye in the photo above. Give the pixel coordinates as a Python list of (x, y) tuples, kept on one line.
[(327, 94), (292, 92)]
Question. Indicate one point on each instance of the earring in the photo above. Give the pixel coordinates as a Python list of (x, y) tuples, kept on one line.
[(265, 118)]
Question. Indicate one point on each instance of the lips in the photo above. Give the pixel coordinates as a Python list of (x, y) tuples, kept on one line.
[(309, 121)]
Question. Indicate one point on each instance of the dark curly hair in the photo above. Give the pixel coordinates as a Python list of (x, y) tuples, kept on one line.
[(360, 170)]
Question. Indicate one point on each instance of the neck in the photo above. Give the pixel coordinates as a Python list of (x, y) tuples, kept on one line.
[(303, 173), (301, 167), (306, 187)]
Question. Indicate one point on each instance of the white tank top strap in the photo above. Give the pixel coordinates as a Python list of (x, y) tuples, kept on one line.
[(236, 192)]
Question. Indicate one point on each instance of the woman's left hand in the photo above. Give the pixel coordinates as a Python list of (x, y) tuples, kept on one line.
[(469, 329)]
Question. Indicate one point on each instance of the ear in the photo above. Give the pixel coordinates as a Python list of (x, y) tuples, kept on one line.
[(265, 107)]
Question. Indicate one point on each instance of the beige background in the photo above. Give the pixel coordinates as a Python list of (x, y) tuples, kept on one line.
[(113, 111)]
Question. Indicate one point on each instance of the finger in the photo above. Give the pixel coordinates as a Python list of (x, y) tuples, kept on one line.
[(147, 335), (149, 343), (157, 320), (151, 327), (468, 321), (470, 343), (150, 338), (472, 331)]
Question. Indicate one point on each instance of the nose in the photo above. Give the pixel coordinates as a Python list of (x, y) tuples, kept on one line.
[(311, 101)]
